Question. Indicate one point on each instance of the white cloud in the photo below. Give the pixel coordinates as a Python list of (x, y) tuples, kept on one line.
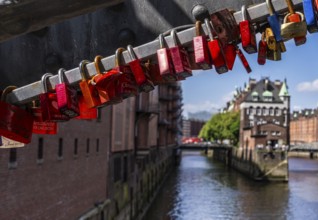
[(308, 86), (205, 106), (297, 108)]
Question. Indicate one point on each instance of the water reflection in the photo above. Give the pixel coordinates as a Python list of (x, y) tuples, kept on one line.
[(202, 189)]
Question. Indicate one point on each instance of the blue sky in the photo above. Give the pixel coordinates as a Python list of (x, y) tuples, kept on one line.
[(207, 90)]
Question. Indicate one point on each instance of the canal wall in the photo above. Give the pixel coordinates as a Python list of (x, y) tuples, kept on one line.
[(257, 164), (132, 198), (311, 155)]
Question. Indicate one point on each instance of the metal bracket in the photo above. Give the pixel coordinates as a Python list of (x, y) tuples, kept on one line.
[(146, 51)]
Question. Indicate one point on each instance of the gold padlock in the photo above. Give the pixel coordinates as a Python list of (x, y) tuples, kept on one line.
[(270, 39), (291, 30)]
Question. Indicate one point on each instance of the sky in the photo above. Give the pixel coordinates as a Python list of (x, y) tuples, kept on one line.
[(209, 91)]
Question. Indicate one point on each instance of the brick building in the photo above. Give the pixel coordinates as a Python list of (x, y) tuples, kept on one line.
[(94, 168), (304, 126), (264, 107), (191, 127)]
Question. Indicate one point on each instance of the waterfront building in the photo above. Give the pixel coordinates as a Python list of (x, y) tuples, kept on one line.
[(304, 126), (264, 113)]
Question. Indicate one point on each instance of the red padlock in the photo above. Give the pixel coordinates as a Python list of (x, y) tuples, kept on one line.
[(200, 47), (243, 60), (66, 97), (230, 55), (262, 49), (127, 86), (145, 85), (154, 73), (86, 113), (106, 84), (180, 58), (216, 50), (48, 102), (89, 91), (247, 33), (40, 126), (15, 123), (165, 62)]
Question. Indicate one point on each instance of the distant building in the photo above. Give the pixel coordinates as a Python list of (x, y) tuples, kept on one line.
[(304, 126), (192, 127), (264, 107)]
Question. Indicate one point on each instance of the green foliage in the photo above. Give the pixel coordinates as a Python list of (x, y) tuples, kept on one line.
[(222, 126)]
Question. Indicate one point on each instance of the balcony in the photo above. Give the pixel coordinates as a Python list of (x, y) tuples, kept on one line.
[(163, 122), (148, 110)]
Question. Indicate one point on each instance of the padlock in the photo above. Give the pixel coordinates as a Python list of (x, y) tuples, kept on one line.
[(15, 123), (6, 143), (243, 60), (230, 55), (165, 62), (270, 39), (40, 126), (180, 58), (48, 102), (274, 21), (154, 73), (126, 86), (294, 25), (309, 7), (216, 50), (105, 84), (274, 55), (66, 97), (85, 112), (144, 84), (262, 49), (247, 33), (89, 91), (225, 27), (200, 47)]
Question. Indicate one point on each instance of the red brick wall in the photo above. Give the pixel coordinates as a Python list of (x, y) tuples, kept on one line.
[(57, 188)]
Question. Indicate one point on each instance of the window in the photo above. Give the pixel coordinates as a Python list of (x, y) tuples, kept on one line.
[(87, 146), (259, 111), (271, 111), (75, 147), (265, 111), (247, 111), (97, 145), (278, 112), (278, 133), (117, 169), (60, 150), (125, 176), (273, 133), (40, 150), (13, 155)]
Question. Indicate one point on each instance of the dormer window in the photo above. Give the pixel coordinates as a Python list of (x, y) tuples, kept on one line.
[(255, 96), (267, 96)]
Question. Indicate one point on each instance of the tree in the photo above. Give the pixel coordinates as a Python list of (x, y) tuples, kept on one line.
[(222, 126)]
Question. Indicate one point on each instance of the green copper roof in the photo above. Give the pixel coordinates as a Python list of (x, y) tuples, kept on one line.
[(254, 93), (283, 91), (267, 93)]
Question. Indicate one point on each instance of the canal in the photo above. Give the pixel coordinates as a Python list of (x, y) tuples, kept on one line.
[(202, 189)]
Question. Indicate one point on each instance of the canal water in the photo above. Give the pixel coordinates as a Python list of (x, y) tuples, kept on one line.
[(202, 189)]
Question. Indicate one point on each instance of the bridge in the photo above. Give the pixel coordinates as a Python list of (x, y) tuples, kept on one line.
[(305, 147), (204, 146)]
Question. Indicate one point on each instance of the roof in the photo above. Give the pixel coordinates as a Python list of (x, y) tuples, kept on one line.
[(265, 88), (283, 91)]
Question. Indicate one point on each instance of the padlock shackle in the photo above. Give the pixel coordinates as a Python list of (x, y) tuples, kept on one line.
[(44, 79), (61, 74), (270, 7), (118, 55), (290, 6), (82, 69), (244, 13), (132, 53), (162, 41), (6, 91), (208, 26), (301, 15), (174, 37), (97, 61), (198, 28)]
